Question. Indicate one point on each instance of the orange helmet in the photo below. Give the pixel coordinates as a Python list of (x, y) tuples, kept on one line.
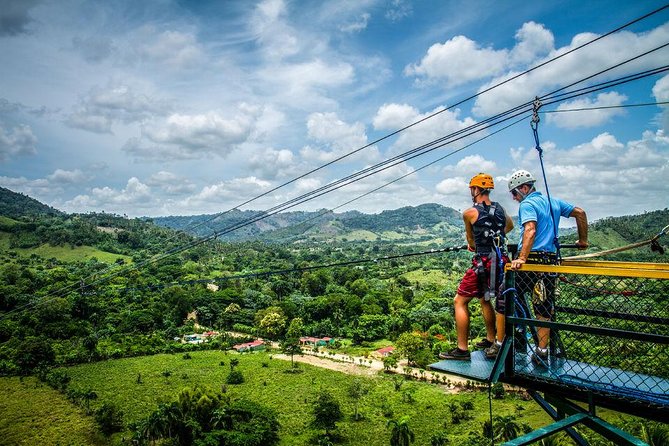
[(482, 180)]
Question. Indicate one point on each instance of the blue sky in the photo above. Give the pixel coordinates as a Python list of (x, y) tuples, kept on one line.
[(163, 107)]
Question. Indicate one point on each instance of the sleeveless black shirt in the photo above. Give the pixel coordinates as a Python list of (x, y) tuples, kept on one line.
[(490, 222)]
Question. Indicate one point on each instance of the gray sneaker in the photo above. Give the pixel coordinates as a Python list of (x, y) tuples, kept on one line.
[(492, 351)]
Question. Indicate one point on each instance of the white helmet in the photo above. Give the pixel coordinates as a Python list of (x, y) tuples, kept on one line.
[(519, 178)]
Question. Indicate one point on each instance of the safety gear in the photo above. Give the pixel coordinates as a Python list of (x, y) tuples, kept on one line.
[(489, 225), (482, 180), (519, 178)]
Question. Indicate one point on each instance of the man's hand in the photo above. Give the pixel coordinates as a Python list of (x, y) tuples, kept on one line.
[(517, 263), (471, 248), (582, 245)]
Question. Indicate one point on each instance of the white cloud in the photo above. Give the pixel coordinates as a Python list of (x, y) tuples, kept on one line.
[(103, 107), (335, 138), (230, 192), (457, 61), (661, 93), (135, 195), (585, 62), (276, 39), (603, 173), (532, 41), (588, 118), (67, 176), (476, 163), (33, 188), (271, 163), (194, 136), (20, 140), (444, 122)]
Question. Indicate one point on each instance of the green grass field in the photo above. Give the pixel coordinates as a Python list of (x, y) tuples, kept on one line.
[(291, 395), (435, 277), (32, 413), (70, 254)]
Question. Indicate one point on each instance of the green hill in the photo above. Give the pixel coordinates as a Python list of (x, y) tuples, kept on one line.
[(16, 205)]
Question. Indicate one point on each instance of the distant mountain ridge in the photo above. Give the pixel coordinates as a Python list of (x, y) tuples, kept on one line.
[(16, 205), (425, 223), (430, 218)]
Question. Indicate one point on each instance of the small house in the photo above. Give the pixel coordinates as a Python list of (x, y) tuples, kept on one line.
[(384, 352), (253, 346)]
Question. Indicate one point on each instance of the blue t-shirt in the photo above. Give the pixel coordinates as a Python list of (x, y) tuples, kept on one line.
[(535, 208)]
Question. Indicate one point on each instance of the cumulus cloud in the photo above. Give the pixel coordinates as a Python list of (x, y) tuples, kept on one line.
[(61, 176), (603, 173), (271, 163), (460, 59), (457, 61), (575, 66), (20, 140), (15, 17), (135, 195), (390, 117), (37, 188), (588, 118), (335, 138), (661, 93), (194, 136), (103, 107)]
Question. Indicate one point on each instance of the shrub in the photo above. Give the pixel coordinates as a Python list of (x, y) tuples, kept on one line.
[(235, 377), (110, 418)]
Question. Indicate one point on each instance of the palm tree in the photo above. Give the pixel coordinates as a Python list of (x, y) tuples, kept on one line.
[(655, 434), (505, 427), (401, 435)]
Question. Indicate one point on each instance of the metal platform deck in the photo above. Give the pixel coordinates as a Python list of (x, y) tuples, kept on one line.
[(479, 368)]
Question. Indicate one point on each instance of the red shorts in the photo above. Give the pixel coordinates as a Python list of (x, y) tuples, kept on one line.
[(469, 286)]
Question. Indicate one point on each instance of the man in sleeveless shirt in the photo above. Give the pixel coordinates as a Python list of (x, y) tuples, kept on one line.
[(486, 224)]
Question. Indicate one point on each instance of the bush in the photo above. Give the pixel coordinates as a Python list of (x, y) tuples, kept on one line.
[(235, 377), (110, 418)]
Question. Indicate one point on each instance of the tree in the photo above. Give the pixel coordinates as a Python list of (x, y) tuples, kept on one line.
[(401, 434), (390, 362), (327, 412), (291, 344), (357, 390), (505, 428), (409, 344), (273, 323)]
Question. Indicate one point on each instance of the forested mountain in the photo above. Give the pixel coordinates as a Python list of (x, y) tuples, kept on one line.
[(420, 222), (15, 205)]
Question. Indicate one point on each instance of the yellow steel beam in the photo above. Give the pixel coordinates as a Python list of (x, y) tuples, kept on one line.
[(623, 265), (618, 271)]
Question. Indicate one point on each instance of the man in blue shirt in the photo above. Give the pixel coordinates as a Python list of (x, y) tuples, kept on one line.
[(538, 235)]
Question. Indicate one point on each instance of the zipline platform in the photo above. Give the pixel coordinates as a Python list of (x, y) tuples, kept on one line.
[(566, 372), (479, 368), (608, 344)]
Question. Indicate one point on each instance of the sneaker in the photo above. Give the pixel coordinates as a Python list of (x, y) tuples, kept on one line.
[(456, 353), (483, 344), (492, 351), (540, 358)]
